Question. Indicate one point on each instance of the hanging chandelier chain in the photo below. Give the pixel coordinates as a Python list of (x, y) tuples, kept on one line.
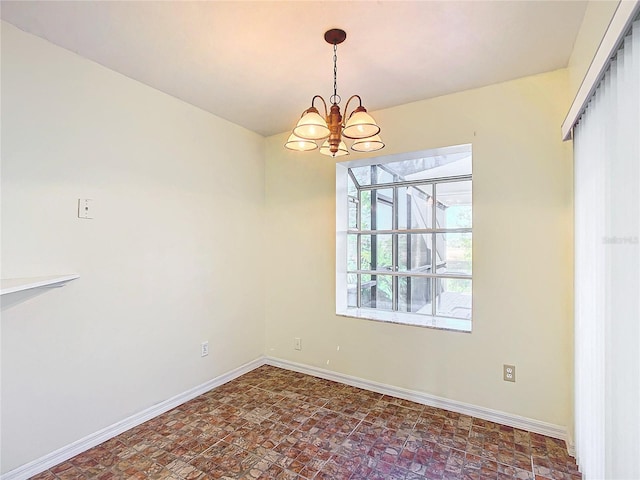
[(335, 98)]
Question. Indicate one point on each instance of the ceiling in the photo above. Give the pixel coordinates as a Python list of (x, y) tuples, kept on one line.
[(258, 63)]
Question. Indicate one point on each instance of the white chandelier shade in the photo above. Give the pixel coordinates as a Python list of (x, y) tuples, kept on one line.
[(325, 149), (300, 144), (360, 125), (370, 144), (312, 126)]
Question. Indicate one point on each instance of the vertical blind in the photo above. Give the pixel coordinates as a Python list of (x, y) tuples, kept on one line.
[(607, 272)]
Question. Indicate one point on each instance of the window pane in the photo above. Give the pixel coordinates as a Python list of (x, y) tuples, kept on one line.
[(383, 176), (454, 199), (453, 253), (403, 199), (367, 288), (414, 295), (365, 212), (453, 298), (352, 252), (352, 290), (376, 252), (365, 252), (384, 209), (414, 252), (351, 187), (362, 174), (430, 167), (383, 292), (353, 213), (384, 252), (384, 216), (415, 207), (441, 215)]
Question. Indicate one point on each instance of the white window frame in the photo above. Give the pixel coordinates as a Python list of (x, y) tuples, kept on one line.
[(342, 215)]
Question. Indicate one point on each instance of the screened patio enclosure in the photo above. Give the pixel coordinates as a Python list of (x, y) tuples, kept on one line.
[(409, 238)]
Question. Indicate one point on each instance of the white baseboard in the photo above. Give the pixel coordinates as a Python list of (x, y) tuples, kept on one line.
[(65, 453), (511, 420)]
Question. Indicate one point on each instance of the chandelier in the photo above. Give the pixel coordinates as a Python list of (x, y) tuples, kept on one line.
[(312, 127)]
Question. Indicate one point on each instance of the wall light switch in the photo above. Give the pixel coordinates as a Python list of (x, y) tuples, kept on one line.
[(85, 209)]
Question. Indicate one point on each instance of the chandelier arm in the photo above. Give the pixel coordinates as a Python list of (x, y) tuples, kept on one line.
[(346, 108), (326, 113)]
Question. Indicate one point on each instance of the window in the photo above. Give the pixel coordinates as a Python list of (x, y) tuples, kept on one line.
[(404, 238)]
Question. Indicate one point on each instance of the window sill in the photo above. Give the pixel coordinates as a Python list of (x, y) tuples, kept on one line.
[(402, 318)]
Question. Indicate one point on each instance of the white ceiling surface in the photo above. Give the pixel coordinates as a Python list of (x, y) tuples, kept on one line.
[(259, 63)]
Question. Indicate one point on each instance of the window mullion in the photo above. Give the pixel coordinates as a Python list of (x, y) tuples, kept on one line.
[(358, 246), (394, 251), (374, 243), (434, 249), (376, 185), (409, 253)]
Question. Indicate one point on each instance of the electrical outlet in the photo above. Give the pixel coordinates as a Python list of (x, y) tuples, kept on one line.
[(509, 373), (297, 343), (204, 349)]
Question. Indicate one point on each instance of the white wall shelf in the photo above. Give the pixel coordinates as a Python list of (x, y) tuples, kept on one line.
[(12, 285)]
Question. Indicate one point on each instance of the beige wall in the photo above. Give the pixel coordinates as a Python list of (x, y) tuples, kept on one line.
[(522, 256), (169, 261)]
